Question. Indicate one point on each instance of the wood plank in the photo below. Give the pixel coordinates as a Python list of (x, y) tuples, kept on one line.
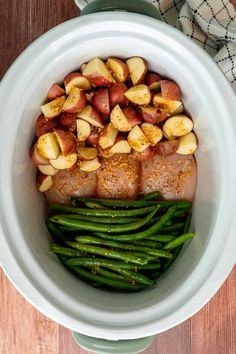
[(24, 330)]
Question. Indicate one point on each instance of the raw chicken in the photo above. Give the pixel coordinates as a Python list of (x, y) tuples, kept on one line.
[(174, 176), (72, 182), (118, 177)]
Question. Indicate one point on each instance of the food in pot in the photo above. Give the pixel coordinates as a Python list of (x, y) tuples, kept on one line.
[(114, 140)]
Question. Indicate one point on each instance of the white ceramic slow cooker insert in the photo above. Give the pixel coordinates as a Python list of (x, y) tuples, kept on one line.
[(203, 264)]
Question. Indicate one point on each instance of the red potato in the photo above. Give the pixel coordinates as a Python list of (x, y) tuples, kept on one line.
[(100, 100), (97, 73), (107, 136), (76, 80), (153, 81), (152, 132), (43, 182), (55, 91), (87, 153), (166, 148), (47, 146), (53, 108), (36, 157), (132, 116), (66, 141), (93, 138), (63, 162), (137, 140), (116, 95), (170, 90), (187, 144), (166, 106), (89, 166), (139, 95), (178, 125), (92, 116), (48, 170), (121, 146), (149, 114), (137, 68), (83, 66), (44, 125), (118, 68), (83, 129), (146, 154), (75, 102), (119, 120), (68, 121)]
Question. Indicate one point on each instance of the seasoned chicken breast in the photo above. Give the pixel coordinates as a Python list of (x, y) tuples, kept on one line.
[(72, 182), (174, 176), (118, 177)]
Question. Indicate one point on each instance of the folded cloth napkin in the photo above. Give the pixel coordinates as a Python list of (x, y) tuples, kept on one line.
[(209, 23)]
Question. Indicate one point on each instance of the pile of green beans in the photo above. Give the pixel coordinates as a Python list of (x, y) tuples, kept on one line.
[(123, 245)]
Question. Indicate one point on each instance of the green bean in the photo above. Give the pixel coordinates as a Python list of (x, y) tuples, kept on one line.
[(136, 277), (148, 243), (125, 246), (108, 253), (94, 205), (142, 255), (126, 275), (178, 241), (180, 212), (151, 196), (56, 233), (187, 224), (173, 227), (169, 262), (102, 212), (101, 220), (110, 243), (161, 238), (117, 203), (109, 263), (115, 284), (143, 234), (110, 228), (154, 274), (65, 251), (110, 275)]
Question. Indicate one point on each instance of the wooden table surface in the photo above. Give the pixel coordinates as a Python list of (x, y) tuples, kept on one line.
[(23, 330)]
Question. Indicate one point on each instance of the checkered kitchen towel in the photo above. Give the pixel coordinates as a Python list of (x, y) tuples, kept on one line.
[(210, 23)]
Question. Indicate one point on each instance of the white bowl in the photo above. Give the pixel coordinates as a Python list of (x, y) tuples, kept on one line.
[(203, 265)]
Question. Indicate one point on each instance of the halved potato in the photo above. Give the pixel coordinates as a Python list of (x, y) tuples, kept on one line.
[(139, 94), (89, 166), (137, 140), (47, 146), (137, 68), (43, 182), (167, 106), (121, 146), (53, 108), (119, 120), (152, 132), (187, 144), (83, 129), (107, 136), (178, 126), (48, 170), (63, 162), (87, 153)]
